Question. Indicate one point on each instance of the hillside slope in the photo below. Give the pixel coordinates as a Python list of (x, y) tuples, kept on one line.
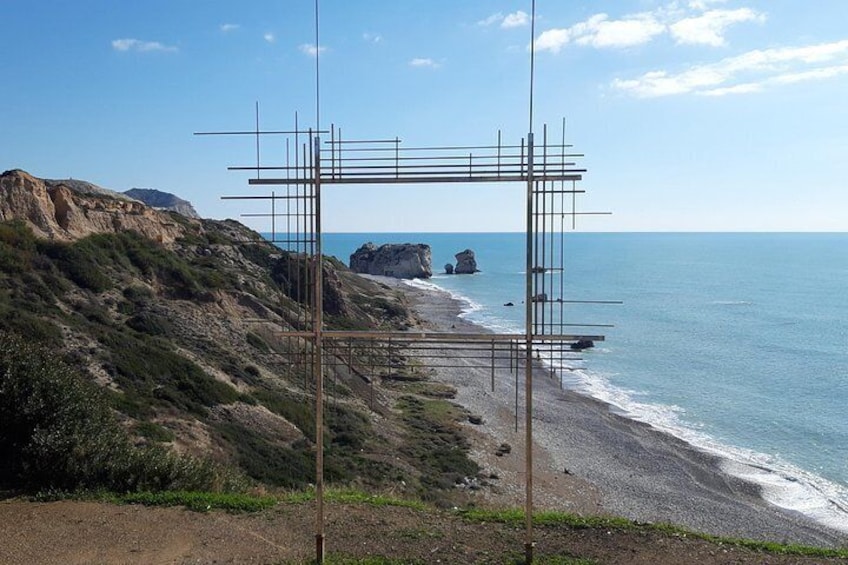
[(179, 321)]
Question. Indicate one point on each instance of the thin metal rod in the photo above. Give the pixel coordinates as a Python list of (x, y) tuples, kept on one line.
[(257, 139), (318, 328)]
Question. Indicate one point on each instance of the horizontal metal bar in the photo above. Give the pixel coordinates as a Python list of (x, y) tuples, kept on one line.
[(292, 132), (441, 337), (347, 141), (415, 180)]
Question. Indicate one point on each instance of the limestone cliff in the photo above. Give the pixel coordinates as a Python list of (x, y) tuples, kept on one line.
[(56, 210)]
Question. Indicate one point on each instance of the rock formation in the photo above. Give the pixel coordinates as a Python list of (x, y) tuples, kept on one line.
[(466, 264), (399, 260), (57, 210), (448, 268), (163, 201)]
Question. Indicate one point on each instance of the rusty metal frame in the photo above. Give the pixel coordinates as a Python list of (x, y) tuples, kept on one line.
[(550, 174)]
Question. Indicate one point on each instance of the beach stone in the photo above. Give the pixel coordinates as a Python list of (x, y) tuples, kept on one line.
[(466, 263), (398, 260), (503, 449), (582, 344), (476, 420)]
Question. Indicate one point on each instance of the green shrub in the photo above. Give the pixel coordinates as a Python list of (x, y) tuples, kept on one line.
[(150, 372), (58, 432), (257, 342), (80, 262)]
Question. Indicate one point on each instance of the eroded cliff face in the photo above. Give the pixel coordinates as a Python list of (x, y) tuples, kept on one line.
[(58, 212)]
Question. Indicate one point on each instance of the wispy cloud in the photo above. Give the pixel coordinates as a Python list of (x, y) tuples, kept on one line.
[(425, 62), (226, 28), (694, 24), (515, 19), (372, 37), (749, 72), (269, 37), (491, 20), (311, 49), (709, 27), (141, 46)]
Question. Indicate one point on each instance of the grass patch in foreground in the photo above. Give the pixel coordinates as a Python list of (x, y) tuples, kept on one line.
[(198, 501), (515, 516), (352, 496)]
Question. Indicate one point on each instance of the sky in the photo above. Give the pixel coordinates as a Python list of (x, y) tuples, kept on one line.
[(693, 115)]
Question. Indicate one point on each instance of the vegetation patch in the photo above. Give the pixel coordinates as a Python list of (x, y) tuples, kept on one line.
[(150, 373), (200, 501), (57, 432), (436, 443)]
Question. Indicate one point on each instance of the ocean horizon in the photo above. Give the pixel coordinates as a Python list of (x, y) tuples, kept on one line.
[(734, 342)]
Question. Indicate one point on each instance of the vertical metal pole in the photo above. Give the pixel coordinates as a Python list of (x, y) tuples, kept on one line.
[(318, 332), (528, 322), (528, 366), (493, 365), (257, 139)]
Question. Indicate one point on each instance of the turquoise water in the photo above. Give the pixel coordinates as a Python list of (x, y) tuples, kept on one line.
[(737, 343)]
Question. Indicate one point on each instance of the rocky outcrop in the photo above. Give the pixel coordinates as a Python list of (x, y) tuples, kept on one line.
[(399, 260), (448, 268), (56, 210), (466, 264), (163, 201)]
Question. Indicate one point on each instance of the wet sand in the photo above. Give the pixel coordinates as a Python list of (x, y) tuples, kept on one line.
[(589, 460)]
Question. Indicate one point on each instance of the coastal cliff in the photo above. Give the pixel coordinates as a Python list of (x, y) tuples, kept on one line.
[(55, 210)]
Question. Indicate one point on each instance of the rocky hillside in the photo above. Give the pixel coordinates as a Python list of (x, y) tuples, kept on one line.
[(163, 201), (179, 321)]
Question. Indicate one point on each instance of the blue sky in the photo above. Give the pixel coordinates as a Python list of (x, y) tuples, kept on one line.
[(701, 115)]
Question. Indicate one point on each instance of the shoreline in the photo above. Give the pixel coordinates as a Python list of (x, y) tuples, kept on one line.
[(589, 459)]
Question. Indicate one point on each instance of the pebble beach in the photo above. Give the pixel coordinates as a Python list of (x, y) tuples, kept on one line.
[(590, 460)]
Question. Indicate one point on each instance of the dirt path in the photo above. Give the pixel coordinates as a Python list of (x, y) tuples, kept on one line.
[(71, 532)]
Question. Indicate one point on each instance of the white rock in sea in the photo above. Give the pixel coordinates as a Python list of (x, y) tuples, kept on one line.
[(399, 260)]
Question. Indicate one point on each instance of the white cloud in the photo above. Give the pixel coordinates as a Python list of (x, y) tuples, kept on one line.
[(226, 28), (704, 4), (311, 50), (634, 30), (602, 32), (515, 19), (692, 23), (140, 46), (553, 40), (424, 62), (372, 37), (746, 88), (269, 37), (749, 72), (709, 27), (493, 19)]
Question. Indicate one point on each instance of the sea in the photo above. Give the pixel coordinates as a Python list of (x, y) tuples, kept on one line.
[(734, 342)]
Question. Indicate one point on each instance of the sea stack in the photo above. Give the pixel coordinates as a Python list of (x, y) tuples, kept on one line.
[(466, 264), (399, 260)]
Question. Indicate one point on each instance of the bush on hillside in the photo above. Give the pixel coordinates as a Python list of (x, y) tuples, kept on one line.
[(57, 432)]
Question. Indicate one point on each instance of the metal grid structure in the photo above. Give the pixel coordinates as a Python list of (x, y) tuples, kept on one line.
[(550, 173)]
